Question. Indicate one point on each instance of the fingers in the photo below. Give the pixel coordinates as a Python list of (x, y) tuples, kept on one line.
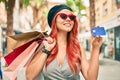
[(98, 38), (49, 43), (97, 41), (49, 39)]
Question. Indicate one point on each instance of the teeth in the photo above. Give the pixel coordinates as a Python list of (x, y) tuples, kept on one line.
[(67, 24)]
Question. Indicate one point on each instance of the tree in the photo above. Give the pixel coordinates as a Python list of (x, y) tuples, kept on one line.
[(76, 5), (92, 13), (9, 5), (39, 12)]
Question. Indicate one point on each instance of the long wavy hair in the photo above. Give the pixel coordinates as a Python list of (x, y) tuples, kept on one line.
[(73, 51)]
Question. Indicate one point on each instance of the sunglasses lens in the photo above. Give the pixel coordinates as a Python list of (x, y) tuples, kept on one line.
[(63, 16), (72, 17)]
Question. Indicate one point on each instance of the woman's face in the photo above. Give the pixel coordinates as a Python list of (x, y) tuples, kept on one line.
[(65, 20)]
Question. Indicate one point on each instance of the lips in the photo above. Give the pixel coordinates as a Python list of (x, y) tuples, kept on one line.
[(67, 24)]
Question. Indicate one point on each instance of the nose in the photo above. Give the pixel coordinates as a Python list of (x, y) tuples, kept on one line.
[(68, 18)]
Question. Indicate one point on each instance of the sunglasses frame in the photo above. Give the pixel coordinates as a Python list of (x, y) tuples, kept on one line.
[(66, 16)]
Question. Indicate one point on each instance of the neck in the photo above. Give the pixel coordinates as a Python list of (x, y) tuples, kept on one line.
[(62, 38)]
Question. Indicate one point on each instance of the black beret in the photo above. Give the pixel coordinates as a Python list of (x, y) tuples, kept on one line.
[(54, 10)]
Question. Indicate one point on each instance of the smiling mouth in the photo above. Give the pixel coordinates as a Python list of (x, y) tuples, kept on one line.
[(67, 24)]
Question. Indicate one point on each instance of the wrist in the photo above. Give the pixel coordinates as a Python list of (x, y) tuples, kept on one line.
[(45, 51), (95, 47)]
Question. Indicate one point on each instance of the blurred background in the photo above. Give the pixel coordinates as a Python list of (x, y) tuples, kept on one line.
[(20, 16)]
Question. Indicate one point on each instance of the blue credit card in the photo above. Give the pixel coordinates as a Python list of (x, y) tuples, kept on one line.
[(98, 31)]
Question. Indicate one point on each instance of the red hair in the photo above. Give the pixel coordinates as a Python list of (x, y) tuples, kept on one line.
[(73, 51)]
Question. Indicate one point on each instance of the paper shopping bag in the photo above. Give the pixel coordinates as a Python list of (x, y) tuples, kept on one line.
[(20, 39), (12, 55), (20, 42), (19, 62)]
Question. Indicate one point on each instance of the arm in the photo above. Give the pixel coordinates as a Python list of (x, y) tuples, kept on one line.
[(37, 63), (90, 68), (1, 54)]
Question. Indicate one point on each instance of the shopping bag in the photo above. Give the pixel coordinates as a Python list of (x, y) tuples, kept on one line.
[(20, 39), (20, 42), (21, 61), (12, 55)]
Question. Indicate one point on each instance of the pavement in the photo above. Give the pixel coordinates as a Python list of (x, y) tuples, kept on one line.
[(109, 69)]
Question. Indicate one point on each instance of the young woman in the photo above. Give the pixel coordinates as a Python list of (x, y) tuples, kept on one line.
[(62, 57)]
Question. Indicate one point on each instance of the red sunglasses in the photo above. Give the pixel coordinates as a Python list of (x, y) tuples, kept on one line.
[(64, 16)]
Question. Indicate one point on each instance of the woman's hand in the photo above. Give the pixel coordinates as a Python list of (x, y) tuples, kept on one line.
[(49, 43), (96, 42)]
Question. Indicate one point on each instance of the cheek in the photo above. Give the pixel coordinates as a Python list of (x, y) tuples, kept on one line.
[(59, 23), (72, 24), (59, 26), (59, 20)]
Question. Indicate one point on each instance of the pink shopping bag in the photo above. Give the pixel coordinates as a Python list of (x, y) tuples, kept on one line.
[(12, 55), (21, 61)]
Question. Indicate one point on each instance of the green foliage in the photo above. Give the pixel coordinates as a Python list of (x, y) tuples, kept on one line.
[(69, 2), (2, 0), (38, 3), (76, 5), (26, 2), (45, 11)]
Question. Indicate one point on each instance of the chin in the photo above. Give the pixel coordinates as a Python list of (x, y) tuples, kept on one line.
[(68, 30)]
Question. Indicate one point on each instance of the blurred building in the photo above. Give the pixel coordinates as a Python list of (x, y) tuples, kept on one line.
[(108, 15), (84, 29)]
